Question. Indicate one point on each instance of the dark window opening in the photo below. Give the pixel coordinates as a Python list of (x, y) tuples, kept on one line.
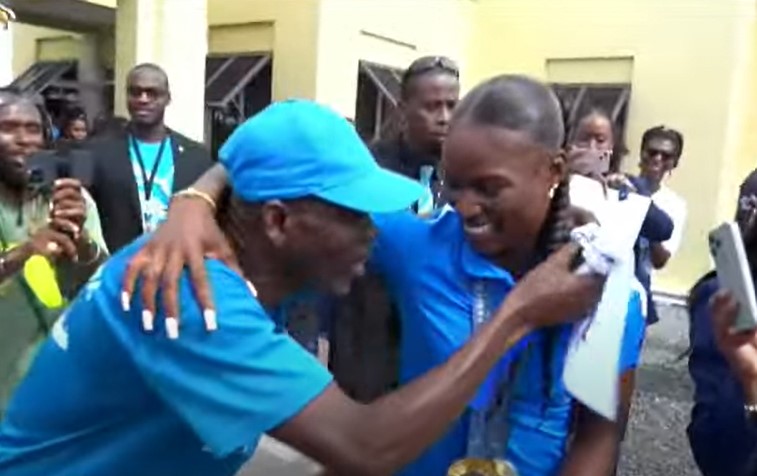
[(578, 100), (236, 88), (378, 94)]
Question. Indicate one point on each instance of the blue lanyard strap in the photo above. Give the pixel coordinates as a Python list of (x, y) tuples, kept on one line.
[(489, 429)]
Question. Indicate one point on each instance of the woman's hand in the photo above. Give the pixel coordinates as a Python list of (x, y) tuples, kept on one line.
[(189, 235), (553, 293), (738, 348), (620, 182)]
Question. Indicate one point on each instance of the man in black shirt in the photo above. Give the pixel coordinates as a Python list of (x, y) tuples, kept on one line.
[(364, 352)]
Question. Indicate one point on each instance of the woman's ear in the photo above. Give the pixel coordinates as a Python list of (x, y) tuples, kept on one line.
[(559, 167)]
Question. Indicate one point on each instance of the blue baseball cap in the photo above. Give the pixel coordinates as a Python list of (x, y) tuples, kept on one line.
[(298, 148)]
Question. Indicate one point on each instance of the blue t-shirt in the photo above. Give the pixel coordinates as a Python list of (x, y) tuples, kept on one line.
[(154, 211), (105, 398), (430, 270)]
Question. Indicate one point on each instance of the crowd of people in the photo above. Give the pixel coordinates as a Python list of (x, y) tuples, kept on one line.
[(438, 264)]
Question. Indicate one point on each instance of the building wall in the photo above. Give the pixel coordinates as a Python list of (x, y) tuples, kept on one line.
[(389, 32), (34, 43), (691, 64), (690, 60)]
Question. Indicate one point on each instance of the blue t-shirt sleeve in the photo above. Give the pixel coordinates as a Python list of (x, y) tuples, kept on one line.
[(633, 334), (394, 242), (232, 385)]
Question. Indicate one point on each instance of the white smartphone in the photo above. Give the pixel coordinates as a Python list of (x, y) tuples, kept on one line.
[(727, 249)]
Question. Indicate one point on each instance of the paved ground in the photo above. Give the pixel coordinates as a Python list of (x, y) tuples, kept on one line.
[(656, 443)]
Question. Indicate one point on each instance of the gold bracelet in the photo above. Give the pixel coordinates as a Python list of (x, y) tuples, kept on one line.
[(194, 193)]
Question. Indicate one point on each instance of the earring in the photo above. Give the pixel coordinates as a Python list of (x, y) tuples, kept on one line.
[(551, 192)]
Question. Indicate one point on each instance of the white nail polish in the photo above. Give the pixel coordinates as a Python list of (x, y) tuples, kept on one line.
[(147, 320), (125, 301), (172, 328), (211, 323), (252, 289)]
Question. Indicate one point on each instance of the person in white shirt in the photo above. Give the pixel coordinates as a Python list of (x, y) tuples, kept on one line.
[(661, 149)]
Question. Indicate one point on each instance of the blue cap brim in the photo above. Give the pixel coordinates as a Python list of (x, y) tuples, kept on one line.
[(380, 191)]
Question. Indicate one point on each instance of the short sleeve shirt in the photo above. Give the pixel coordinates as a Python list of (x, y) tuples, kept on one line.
[(129, 403)]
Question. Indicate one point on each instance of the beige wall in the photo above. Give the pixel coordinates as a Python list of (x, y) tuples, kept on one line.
[(288, 28), (691, 63), (29, 41), (688, 72)]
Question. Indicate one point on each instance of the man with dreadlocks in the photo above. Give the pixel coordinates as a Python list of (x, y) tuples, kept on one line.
[(50, 241), (506, 177), (661, 150)]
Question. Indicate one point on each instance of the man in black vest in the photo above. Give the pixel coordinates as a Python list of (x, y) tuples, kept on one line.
[(137, 170), (364, 351)]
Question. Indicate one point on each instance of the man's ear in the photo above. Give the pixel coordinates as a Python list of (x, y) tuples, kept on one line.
[(275, 217)]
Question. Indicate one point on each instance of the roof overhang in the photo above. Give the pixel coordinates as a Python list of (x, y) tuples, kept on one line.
[(74, 15)]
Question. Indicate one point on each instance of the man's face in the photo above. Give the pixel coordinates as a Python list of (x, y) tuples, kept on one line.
[(324, 245), (428, 108), (147, 96), (20, 137), (658, 157)]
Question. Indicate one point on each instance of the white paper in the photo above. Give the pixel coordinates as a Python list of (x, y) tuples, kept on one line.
[(591, 366)]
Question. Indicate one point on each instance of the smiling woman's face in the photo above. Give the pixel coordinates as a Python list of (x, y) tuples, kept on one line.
[(499, 181)]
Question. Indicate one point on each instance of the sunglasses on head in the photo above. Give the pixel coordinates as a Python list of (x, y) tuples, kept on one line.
[(432, 63)]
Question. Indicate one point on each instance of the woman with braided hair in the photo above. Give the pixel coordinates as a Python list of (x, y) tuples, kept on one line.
[(506, 180)]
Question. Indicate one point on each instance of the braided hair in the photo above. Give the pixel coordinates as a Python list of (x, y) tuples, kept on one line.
[(520, 103)]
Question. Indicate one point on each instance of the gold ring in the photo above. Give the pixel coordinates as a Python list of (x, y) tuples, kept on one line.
[(52, 247)]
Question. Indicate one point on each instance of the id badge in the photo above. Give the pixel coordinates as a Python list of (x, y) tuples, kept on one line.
[(481, 467), (153, 214)]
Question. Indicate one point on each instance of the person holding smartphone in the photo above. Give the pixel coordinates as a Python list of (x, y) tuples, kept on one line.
[(723, 365), (50, 241)]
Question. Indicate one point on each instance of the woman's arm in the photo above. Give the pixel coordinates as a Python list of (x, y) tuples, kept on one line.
[(595, 448)]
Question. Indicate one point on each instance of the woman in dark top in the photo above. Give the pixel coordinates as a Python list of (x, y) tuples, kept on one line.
[(723, 430)]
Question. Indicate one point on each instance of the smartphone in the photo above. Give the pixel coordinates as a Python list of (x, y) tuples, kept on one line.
[(729, 254)]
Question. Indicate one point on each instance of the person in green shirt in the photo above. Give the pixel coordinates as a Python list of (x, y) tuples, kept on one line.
[(50, 242)]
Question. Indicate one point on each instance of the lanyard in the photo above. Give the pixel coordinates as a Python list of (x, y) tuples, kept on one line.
[(148, 181), (489, 429)]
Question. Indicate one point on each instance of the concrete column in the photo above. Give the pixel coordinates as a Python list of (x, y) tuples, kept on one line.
[(91, 76), (174, 35)]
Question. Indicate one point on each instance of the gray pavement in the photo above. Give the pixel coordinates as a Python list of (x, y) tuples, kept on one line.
[(656, 442)]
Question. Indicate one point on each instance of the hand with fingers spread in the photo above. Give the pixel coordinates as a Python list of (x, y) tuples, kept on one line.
[(738, 348), (189, 235)]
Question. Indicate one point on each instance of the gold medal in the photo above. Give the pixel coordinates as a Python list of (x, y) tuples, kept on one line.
[(481, 467)]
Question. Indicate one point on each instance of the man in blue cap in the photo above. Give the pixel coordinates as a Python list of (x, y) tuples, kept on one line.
[(127, 403)]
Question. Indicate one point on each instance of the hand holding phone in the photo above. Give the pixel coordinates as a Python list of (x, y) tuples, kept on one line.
[(734, 274)]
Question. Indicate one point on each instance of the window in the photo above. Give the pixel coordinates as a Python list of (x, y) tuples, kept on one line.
[(578, 100), (236, 87), (378, 94), (43, 74)]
